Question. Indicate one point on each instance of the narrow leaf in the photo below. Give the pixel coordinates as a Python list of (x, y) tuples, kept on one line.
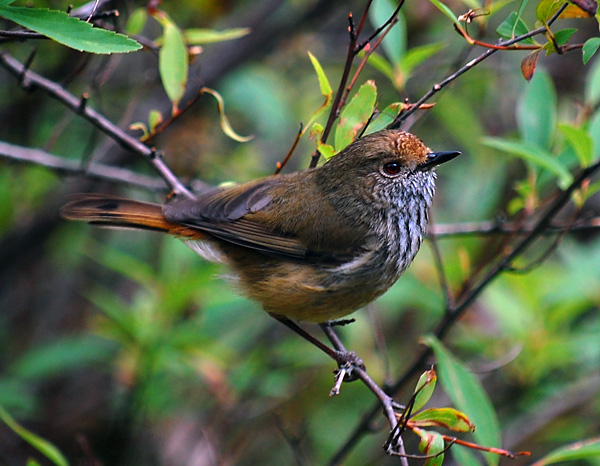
[(536, 111), (137, 21), (529, 63), (155, 118), (380, 63), (424, 389), (323, 81), (546, 8), (532, 154), (315, 133), (590, 47), (385, 117), (562, 37), (587, 449), (173, 61), (431, 444), (394, 43), (225, 125), (466, 392), (69, 31), (580, 141), (446, 10), (513, 26), (199, 36), (592, 85), (355, 115), (448, 418), (42, 445), (418, 55)]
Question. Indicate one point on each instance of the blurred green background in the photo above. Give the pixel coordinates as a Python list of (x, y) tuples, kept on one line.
[(126, 348)]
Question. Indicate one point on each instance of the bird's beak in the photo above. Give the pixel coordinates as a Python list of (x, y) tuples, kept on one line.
[(437, 158)]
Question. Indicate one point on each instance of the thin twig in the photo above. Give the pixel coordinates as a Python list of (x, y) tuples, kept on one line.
[(73, 167), (493, 227), (30, 80), (439, 265), (452, 313), (397, 123)]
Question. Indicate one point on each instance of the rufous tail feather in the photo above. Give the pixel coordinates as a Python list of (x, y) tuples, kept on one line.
[(100, 209)]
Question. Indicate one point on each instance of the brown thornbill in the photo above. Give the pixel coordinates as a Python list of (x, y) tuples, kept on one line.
[(313, 245)]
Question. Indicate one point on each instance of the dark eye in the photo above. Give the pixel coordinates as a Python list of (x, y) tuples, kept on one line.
[(391, 168)]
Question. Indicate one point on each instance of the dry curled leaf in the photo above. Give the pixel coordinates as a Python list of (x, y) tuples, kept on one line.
[(528, 64)]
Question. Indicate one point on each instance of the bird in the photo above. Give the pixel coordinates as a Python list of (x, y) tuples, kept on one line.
[(313, 245)]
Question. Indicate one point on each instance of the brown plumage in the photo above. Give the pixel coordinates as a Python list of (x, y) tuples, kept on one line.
[(313, 245)]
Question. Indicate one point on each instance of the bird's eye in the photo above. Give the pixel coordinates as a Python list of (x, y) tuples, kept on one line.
[(391, 168)]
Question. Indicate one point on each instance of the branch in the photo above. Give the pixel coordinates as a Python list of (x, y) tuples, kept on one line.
[(492, 227), (397, 123), (73, 167), (353, 50), (30, 80)]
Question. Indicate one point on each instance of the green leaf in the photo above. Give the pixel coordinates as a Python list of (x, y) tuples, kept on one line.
[(466, 393), (69, 31), (546, 8), (355, 115), (562, 37), (137, 21), (447, 11), (394, 43), (586, 449), (380, 64), (225, 125), (432, 444), (590, 47), (448, 418), (42, 445), (62, 355), (592, 85), (513, 26), (594, 132), (474, 4), (385, 117), (533, 154), (138, 125), (315, 133), (536, 112), (199, 36), (424, 389), (580, 141), (155, 118), (326, 151), (418, 55), (173, 61), (323, 81)]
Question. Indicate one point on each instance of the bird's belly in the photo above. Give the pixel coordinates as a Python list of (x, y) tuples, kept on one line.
[(310, 292)]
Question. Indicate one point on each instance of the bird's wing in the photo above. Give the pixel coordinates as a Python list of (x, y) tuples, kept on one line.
[(231, 215)]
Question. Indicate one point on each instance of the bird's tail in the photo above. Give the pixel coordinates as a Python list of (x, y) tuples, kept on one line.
[(100, 209)]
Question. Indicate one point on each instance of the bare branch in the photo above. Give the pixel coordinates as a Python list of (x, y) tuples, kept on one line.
[(73, 167), (397, 123), (31, 80), (493, 227)]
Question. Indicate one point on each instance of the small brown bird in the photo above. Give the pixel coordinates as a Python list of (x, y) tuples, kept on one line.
[(310, 246)]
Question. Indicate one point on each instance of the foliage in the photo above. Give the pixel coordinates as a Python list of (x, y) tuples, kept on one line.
[(128, 330)]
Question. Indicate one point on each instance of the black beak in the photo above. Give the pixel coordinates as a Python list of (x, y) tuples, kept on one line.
[(437, 158)]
